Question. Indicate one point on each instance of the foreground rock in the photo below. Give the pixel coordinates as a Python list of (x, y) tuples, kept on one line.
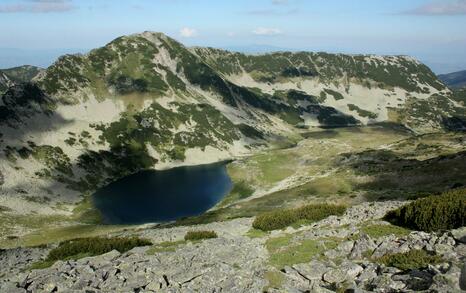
[(237, 263)]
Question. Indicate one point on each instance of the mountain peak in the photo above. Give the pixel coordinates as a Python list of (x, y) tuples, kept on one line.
[(152, 36)]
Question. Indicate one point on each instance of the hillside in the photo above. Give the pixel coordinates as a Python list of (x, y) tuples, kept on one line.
[(454, 80), (146, 101), (16, 75), (23, 73)]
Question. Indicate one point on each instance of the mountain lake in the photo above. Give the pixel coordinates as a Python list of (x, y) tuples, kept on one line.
[(152, 196)]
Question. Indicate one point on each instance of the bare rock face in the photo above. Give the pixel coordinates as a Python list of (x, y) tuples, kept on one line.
[(236, 263)]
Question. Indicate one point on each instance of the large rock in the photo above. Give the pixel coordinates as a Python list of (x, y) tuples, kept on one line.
[(459, 234), (361, 246), (415, 280), (368, 274), (448, 282), (347, 271), (463, 277), (385, 283), (313, 270)]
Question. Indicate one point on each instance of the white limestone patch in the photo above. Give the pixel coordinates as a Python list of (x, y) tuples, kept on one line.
[(208, 155)]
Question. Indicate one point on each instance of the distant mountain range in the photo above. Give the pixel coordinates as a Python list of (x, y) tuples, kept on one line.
[(17, 75), (454, 80), (259, 49)]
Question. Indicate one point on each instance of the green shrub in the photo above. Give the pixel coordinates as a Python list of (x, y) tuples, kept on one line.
[(275, 220), (283, 218), (199, 235), (94, 246), (413, 259), (433, 213), (317, 212)]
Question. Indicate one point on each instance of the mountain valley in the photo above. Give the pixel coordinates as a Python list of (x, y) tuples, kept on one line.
[(370, 133)]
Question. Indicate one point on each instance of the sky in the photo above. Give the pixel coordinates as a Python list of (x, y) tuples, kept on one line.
[(36, 32)]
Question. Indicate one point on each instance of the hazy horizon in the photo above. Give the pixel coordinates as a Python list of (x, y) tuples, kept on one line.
[(38, 31)]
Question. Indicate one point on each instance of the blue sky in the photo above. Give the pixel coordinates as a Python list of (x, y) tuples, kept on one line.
[(37, 31)]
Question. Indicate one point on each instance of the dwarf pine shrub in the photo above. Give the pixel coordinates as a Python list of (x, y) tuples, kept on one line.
[(280, 219), (433, 213), (413, 259), (94, 246), (275, 220), (199, 235)]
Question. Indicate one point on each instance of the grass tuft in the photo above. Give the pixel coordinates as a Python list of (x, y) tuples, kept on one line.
[(255, 233), (284, 252), (165, 247), (380, 230), (275, 280)]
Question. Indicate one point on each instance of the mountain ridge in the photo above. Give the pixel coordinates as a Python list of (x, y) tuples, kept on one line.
[(16, 75), (146, 101), (455, 80)]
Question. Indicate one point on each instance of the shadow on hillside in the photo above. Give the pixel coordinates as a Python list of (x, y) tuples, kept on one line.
[(330, 117), (324, 134), (454, 123), (26, 110), (394, 177)]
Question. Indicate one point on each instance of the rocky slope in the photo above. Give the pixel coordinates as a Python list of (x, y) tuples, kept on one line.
[(336, 254), (146, 101)]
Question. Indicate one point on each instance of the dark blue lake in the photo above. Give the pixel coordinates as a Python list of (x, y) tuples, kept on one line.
[(160, 196)]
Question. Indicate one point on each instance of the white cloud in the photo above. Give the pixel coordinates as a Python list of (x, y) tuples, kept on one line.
[(273, 12), (49, 1), (266, 31), (456, 7), (279, 2), (38, 6), (188, 32)]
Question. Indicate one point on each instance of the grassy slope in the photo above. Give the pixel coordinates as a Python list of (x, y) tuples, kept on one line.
[(322, 168), (326, 170)]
